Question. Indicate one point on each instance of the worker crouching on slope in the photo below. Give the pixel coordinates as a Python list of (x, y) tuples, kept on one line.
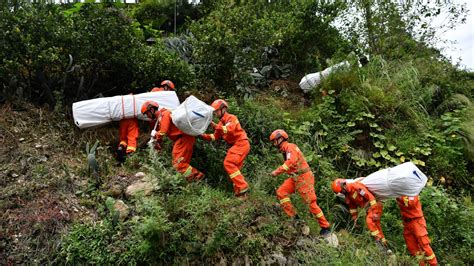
[(166, 85), (183, 143), (414, 230), (230, 130), (357, 195), (302, 180)]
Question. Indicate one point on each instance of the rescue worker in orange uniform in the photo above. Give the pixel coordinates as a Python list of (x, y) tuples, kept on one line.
[(183, 143), (128, 132), (166, 85), (230, 130), (302, 180), (357, 195), (414, 230)]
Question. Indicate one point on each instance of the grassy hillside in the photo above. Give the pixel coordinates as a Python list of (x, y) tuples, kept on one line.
[(53, 212)]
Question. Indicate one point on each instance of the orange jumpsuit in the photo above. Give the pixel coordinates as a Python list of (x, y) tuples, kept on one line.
[(182, 148), (128, 131), (302, 180), (357, 195), (155, 89), (230, 130), (414, 230)]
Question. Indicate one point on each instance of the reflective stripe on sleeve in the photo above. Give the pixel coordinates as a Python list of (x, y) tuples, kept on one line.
[(284, 166), (352, 211), (319, 215), (213, 137), (284, 200), (354, 195), (224, 128), (234, 174), (124, 143), (372, 202), (374, 233), (131, 148), (161, 133)]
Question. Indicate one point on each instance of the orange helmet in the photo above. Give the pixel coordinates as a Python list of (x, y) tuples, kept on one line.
[(279, 133), (168, 83), (337, 185), (219, 104), (146, 106)]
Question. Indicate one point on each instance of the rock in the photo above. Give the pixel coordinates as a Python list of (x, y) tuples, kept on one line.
[(332, 240), (15, 175), (222, 262), (21, 139), (122, 209), (277, 258), (140, 175), (304, 242), (38, 146), (247, 260), (115, 191), (305, 230), (139, 187)]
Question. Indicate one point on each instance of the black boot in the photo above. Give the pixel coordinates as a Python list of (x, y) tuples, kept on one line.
[(324, 231), (120, 154)]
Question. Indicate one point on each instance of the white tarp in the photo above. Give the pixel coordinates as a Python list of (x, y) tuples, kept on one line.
[(100, 111), (312, 80), (193, 116), (402, 180)]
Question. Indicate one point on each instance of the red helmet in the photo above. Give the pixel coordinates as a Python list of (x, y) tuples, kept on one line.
[(146, 106), (168, 83), (279, 133), (219, 104), (337, 185)]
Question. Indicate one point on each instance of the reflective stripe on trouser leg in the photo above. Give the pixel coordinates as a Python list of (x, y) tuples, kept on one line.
[(240, 185), (132, 135), (233, 162), (182, 153), (305, 187), (283, 195), (287, 207), (374, 226)]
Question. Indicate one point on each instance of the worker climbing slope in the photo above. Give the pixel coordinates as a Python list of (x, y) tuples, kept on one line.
[(302, 180), (230, 130)]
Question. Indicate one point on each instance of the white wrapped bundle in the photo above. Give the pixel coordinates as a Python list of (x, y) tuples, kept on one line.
[(402, 180), (100, 111), (312, 80), (193, 116)]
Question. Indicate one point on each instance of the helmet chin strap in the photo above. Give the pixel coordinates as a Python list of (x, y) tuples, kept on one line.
[(280, 142)]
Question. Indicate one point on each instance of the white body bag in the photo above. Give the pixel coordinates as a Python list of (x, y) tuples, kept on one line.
[(193, 116), (100, 111), (312, 80), (402, 180)]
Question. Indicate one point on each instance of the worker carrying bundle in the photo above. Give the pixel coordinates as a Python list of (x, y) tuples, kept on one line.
[(402, 180), (100, 111)]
